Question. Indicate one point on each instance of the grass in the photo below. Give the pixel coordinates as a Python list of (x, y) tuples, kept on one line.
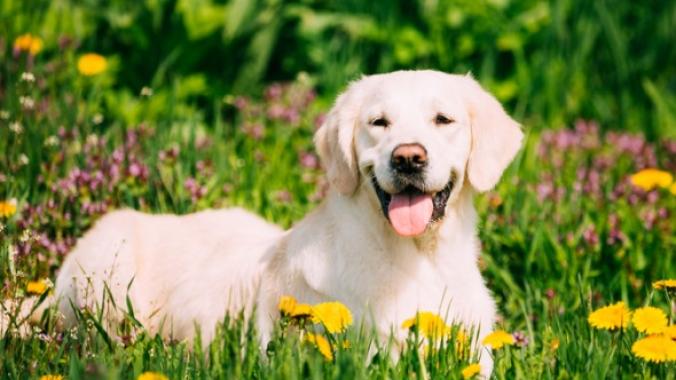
[(563, 234)]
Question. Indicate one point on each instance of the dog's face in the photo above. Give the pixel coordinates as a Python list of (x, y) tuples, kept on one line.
[(414, 136)]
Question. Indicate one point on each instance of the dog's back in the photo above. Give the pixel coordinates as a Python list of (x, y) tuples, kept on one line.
[(176, 270)]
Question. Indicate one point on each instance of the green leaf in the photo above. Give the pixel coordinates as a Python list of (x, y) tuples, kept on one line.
[(239, 13), (200, 17)]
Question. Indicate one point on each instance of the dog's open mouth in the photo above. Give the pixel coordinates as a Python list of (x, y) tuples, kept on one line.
[(411, 210)]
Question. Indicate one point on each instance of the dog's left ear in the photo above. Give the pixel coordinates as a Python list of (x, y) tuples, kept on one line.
[(496, 137)]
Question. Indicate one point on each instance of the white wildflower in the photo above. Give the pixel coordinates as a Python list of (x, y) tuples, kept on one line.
[(16, 127), (146, 91), (26, 235), (27, 102), (92, 140), (52, 141), (28, 77), (23, 159)]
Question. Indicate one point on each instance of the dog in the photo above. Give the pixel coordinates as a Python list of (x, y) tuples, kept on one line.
[(404, 153)]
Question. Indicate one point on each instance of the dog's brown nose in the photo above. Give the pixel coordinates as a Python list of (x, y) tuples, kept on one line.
[(409, 158)]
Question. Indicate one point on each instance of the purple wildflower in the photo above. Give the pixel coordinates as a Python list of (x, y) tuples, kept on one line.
[(590, 236), (545, 190), (283, 196), (274, 91), (276, 112), (241, 103), (520, 339), (550, 293), (255, 131), (195, 190), (309, 160)]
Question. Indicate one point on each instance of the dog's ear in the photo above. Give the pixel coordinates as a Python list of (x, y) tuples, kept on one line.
[(335, 143), (496, 137)]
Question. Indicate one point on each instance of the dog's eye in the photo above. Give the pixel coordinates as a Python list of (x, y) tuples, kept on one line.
[(443, 120), (380, 122)]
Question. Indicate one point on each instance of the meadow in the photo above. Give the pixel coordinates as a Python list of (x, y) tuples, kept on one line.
[(214, 105)]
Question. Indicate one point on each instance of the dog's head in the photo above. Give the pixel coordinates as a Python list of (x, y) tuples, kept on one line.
[(414, 137)]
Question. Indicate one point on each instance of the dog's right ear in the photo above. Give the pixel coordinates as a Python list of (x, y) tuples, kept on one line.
[(335, 143)]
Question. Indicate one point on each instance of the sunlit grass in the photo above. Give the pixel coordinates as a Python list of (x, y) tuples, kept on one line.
[(565, 233)]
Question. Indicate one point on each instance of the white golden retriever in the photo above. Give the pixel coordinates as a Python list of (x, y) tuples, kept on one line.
[(404, 153)]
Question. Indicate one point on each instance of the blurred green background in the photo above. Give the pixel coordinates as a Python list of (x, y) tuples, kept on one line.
[(550, 62)]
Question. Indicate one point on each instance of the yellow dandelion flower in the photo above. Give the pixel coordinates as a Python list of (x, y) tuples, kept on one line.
[(665, 284), (152, 376), (334, 316), (669, 332), (321, 343), (51, 377), (554, 344), (37, 287), (429, 325), (672, 189), (498, 339), (655, 348), (649, 320), (91, 64), (29, 43), (287, 304), (302, 310), (610, 317), (290, 307), (36, 46), (471, 370), (7, 208), (648, 179)]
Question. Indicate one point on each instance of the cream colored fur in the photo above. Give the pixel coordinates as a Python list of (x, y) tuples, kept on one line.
[(182, 271)]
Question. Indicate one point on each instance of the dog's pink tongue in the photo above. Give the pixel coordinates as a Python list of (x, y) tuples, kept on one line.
[(410, 214)]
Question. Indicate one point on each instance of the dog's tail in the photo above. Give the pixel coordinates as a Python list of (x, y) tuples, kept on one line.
[(17, 316)]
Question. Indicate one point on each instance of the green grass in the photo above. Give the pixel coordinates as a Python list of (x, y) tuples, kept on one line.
[(564, 232)]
